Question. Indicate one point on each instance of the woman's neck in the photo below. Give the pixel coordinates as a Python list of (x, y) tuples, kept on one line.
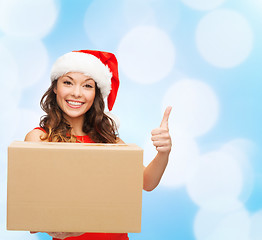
[(77, 125)]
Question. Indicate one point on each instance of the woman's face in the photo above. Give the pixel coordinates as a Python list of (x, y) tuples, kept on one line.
[(75, 94)]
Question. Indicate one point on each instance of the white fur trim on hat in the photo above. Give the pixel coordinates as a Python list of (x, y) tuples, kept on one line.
[(87, 64)]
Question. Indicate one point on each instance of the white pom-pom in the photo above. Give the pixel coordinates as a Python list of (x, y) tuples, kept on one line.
[(115, 118)]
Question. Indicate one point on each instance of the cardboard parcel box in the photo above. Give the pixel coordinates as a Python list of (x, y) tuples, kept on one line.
[(74, 187)]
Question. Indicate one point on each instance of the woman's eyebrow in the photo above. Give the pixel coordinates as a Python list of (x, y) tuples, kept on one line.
[(69, 77), (88, 79)]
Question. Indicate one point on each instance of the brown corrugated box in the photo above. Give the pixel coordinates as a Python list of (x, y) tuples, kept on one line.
[(74, 187)]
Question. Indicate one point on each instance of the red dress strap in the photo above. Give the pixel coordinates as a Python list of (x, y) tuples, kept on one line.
[(85, 139), (39, 128)]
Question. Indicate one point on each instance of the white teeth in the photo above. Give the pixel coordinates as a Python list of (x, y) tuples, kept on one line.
[(74, 103)]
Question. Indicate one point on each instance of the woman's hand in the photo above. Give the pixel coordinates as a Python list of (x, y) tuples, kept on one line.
[(60, 235), (160, 136), (63, 235)]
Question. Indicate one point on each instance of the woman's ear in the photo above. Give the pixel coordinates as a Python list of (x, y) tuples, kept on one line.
[(55, 89)]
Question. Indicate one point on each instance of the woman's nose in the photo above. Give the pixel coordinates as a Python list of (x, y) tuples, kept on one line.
[(77, 92)]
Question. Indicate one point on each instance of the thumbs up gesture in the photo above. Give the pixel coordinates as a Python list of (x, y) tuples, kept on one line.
[(160, 136)]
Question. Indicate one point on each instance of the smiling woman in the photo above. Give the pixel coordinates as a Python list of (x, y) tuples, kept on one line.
[(74, 106), (74, 102)]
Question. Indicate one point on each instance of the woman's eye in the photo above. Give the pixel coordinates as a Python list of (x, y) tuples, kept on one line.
[(88, 86), (67, 82)]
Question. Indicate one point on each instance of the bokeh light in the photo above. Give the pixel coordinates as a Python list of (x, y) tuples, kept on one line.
[(195, 107), (216, 226), (224, 38), (146, 54), (183, 161), (101, 23), (203, 4), (150, 12), (216, 183), (9, 70), (27, 18), (240, 149), (27, 53)]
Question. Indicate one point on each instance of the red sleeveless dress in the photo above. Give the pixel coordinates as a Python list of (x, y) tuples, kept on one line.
[(94, 236)]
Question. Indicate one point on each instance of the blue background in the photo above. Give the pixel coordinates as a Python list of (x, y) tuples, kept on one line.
[(169, 212)]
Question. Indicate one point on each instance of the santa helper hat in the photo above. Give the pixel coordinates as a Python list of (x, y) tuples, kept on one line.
[(101, 66)]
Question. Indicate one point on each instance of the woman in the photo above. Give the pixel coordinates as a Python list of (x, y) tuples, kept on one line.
[(74, 109)]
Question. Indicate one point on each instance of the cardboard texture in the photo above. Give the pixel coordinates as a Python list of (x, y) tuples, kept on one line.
[(74, 187)]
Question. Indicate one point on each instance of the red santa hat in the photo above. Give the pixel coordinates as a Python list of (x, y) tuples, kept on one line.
[(101, 66)]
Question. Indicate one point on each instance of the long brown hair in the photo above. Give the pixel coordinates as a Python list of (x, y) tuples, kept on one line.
[(100, 127)]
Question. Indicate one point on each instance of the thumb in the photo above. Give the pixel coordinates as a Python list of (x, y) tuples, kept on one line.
[(164, 123)]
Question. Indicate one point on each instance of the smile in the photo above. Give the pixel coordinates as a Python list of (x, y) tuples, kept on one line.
[(74, 103)]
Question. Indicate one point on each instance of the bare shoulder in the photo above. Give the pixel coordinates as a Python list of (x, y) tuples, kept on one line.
[(35, 136)]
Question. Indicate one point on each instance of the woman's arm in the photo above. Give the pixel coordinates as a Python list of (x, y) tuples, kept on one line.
[(162, 141)]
